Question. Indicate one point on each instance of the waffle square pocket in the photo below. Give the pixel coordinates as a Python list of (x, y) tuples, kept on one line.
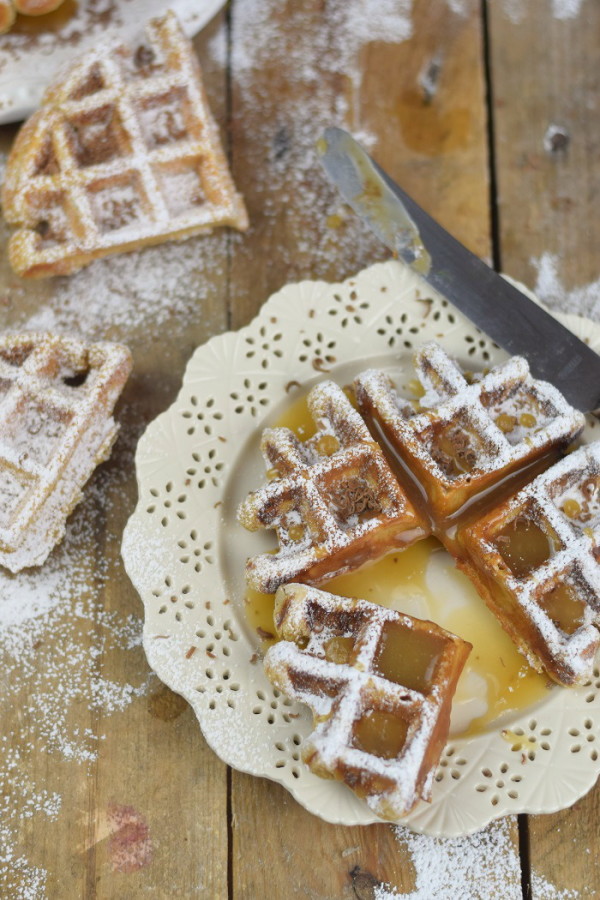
[(380, 686)]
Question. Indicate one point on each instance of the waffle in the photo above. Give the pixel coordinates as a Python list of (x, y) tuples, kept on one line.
[(535, 560), (10, 8), (7, 15), (467, 434), (332, 500), (123, 153), (56, 399), (380, 686)]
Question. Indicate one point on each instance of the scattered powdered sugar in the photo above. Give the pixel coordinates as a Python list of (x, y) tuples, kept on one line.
[(55, 635), (584, 300), (27, 596), (19, 880), (279, 145), (357, 23), (120, 294), (459, 7), (361, 22), (516, 10), (449, 869), (566, 9), (20, 800), (543, 889)]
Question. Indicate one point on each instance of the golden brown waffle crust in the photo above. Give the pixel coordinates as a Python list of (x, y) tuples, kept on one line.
[(310, 486), (57, 394), (136, 196), (451, 402), (518, 601), (340, 694)]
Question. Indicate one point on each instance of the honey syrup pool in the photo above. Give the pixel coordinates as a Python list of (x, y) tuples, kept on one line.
[(422, 581)]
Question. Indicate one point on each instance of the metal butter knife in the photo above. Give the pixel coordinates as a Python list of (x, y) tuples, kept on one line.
[(496, 306)]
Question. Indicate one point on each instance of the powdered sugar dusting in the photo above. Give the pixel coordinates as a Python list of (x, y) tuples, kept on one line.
[(18, 878), (549, 287), (487, 859), (130, 291), (344, 693), (279, 148), (53, 668), (566, 9), (357, 23), (477, 410), (360, 23), (516, 10), (20, 799), (27, 596), (328, 500)]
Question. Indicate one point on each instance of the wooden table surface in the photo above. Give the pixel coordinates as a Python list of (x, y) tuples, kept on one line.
[(107, 788)]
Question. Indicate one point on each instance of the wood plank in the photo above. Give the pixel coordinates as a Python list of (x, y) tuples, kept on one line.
[(425, 101), (544, 74), (299, 855), (286, 86), (565, 849), (148, 814)]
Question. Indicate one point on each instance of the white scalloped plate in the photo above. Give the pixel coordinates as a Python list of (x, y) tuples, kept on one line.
[(184, 553), (28, 62)]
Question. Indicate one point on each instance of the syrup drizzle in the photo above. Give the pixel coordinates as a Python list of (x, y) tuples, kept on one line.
[(422, 581)]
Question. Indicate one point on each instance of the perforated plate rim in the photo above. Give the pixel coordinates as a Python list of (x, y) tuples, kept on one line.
[(175, 548)]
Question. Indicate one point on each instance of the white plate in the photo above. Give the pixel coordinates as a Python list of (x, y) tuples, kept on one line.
[(184, 552), (28, 62)]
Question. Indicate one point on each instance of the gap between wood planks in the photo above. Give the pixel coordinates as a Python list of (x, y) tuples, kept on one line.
[(491, 139), (522, 820)]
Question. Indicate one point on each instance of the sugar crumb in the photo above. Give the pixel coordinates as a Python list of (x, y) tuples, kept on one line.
[(549, 287), (481, 866)]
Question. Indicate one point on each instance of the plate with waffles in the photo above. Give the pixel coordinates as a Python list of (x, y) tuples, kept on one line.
[(270, 423), (37, 46)]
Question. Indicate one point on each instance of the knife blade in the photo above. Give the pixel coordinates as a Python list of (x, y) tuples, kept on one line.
[(495, 305)]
